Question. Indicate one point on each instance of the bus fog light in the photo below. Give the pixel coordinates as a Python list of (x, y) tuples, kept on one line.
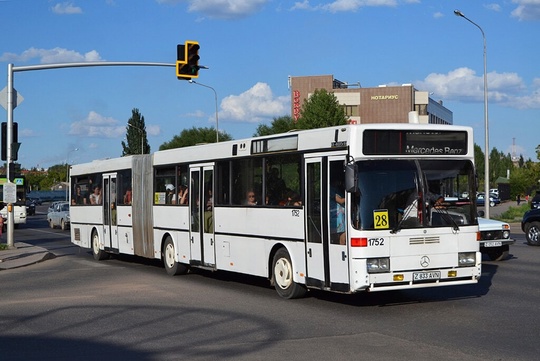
[(377, 265), (466, 259), (399, 277), (452, 273)]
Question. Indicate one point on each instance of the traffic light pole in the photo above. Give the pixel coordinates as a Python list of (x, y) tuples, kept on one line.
[(10, 105)]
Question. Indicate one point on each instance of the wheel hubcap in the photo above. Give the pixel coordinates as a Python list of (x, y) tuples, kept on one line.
[(283, 273), (169, 255)]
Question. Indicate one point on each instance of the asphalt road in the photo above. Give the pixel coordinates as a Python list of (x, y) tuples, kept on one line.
[(72, 307)]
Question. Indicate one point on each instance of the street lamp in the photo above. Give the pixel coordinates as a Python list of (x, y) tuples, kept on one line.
[(191, 81), (142, 136), (486, 123), (67, 171)]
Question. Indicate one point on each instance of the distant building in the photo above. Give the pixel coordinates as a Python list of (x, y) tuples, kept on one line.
[(383, 104)]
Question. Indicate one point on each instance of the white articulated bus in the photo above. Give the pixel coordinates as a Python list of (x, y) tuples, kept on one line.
[(344, 209)]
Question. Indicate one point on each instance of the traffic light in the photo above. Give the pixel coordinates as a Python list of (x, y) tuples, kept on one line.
[(14, 145), (187, 63)]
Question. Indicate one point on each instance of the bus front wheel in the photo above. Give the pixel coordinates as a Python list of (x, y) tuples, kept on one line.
[(98, 253), (282, 276), (172, 267)]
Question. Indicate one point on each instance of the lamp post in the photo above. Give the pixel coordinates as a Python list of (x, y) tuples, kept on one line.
[(67, 172), (191, 81), (142, 136), (486, 123)]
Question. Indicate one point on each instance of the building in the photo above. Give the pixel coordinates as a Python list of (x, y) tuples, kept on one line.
[(383, 104)]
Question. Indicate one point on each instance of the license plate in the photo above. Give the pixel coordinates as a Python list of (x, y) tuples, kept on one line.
[(429, 275), (493, 244)]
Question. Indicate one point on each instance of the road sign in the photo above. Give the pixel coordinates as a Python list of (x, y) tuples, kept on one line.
[(10, 193), (17, 98)]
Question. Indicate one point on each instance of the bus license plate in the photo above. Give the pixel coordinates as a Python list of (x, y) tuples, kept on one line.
[(493, 244), (431, 275)]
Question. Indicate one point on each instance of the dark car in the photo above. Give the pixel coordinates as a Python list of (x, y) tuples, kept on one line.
[(481, 200), (535, 202), (530, 224), (30, 208)]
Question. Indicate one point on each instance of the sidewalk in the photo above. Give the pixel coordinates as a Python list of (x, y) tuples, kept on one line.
[(23, 254)]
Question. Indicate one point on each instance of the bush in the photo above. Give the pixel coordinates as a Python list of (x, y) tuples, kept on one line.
[(514, 214)]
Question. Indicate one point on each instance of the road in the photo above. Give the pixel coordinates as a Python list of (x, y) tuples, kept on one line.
[(72, 307)]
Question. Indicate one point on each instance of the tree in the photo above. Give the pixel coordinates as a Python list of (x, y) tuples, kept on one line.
[(194, 136), (279, 125), (321, 110), (137, 143)]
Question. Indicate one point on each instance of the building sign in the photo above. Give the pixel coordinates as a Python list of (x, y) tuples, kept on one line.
[(385, 97), (296, 105)]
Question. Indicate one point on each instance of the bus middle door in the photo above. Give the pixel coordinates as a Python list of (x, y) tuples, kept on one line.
[(109, 202), (202, 215)]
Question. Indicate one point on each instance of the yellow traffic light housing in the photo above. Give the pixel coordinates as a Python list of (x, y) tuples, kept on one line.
[(187, 63)]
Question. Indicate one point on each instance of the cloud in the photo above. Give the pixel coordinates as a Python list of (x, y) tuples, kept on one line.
[(221, 9), (48, 56), (66, 8), (345, 5), (494, 7), (527, 9), (464, 85), (97, 125), (254, 105)]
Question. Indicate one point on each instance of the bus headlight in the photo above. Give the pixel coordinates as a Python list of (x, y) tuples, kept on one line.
[(378, 265), (466, 259)]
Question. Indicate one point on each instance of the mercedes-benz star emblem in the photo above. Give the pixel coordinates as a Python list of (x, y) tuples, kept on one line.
[(424, 261)]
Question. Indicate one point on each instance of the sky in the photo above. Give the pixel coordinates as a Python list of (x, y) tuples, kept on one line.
[(251, 47)]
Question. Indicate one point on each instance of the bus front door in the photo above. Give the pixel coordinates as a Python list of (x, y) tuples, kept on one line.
[(109, 202), (326, 248), (202, 215)]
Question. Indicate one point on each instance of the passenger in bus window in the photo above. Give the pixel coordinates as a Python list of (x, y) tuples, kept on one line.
[(337, 213), (77, 198), (169, 194), (182, 195), (128, 196), (250, 198), (95, 198)]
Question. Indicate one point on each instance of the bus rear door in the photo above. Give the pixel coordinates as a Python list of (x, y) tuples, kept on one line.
[(109, 202), (202, 215)]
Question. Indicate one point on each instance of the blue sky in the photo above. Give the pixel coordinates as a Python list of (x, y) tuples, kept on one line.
[(251, 48)]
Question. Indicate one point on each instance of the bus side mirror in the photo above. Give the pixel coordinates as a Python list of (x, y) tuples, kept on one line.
[(351, 177)]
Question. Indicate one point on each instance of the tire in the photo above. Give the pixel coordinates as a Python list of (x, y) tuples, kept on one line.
[(498, 253), (99, 254), (51, 224), (63, 225), (282, 276), (532, 233), (168, 253)]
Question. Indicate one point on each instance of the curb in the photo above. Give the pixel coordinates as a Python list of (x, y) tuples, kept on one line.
[(23, 254)]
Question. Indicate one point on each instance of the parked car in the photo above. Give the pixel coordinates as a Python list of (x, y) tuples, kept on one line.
[(535, 202), (58, 216), (481, 200), (530, 224), (495, 238), (30, 208)]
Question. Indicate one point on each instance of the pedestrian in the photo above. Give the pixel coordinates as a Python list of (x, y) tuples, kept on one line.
[(518, 199)]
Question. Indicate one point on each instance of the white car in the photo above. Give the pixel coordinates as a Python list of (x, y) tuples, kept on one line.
[(495, 238), (58, 215)]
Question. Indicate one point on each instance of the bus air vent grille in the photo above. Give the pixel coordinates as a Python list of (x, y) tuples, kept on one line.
[(424, 240)]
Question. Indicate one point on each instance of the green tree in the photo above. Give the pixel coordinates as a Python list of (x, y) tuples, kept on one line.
[(321, 110), (279, 125), (194, 136), (137, 142)]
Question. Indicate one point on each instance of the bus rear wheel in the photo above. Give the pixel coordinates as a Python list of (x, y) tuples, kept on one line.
[(168, 253), (99, 254), (282, 276)]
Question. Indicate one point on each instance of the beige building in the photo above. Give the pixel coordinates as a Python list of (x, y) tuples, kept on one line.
[(383, 104)]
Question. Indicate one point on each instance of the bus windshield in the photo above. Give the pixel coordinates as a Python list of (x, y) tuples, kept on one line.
[(400, 194)]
